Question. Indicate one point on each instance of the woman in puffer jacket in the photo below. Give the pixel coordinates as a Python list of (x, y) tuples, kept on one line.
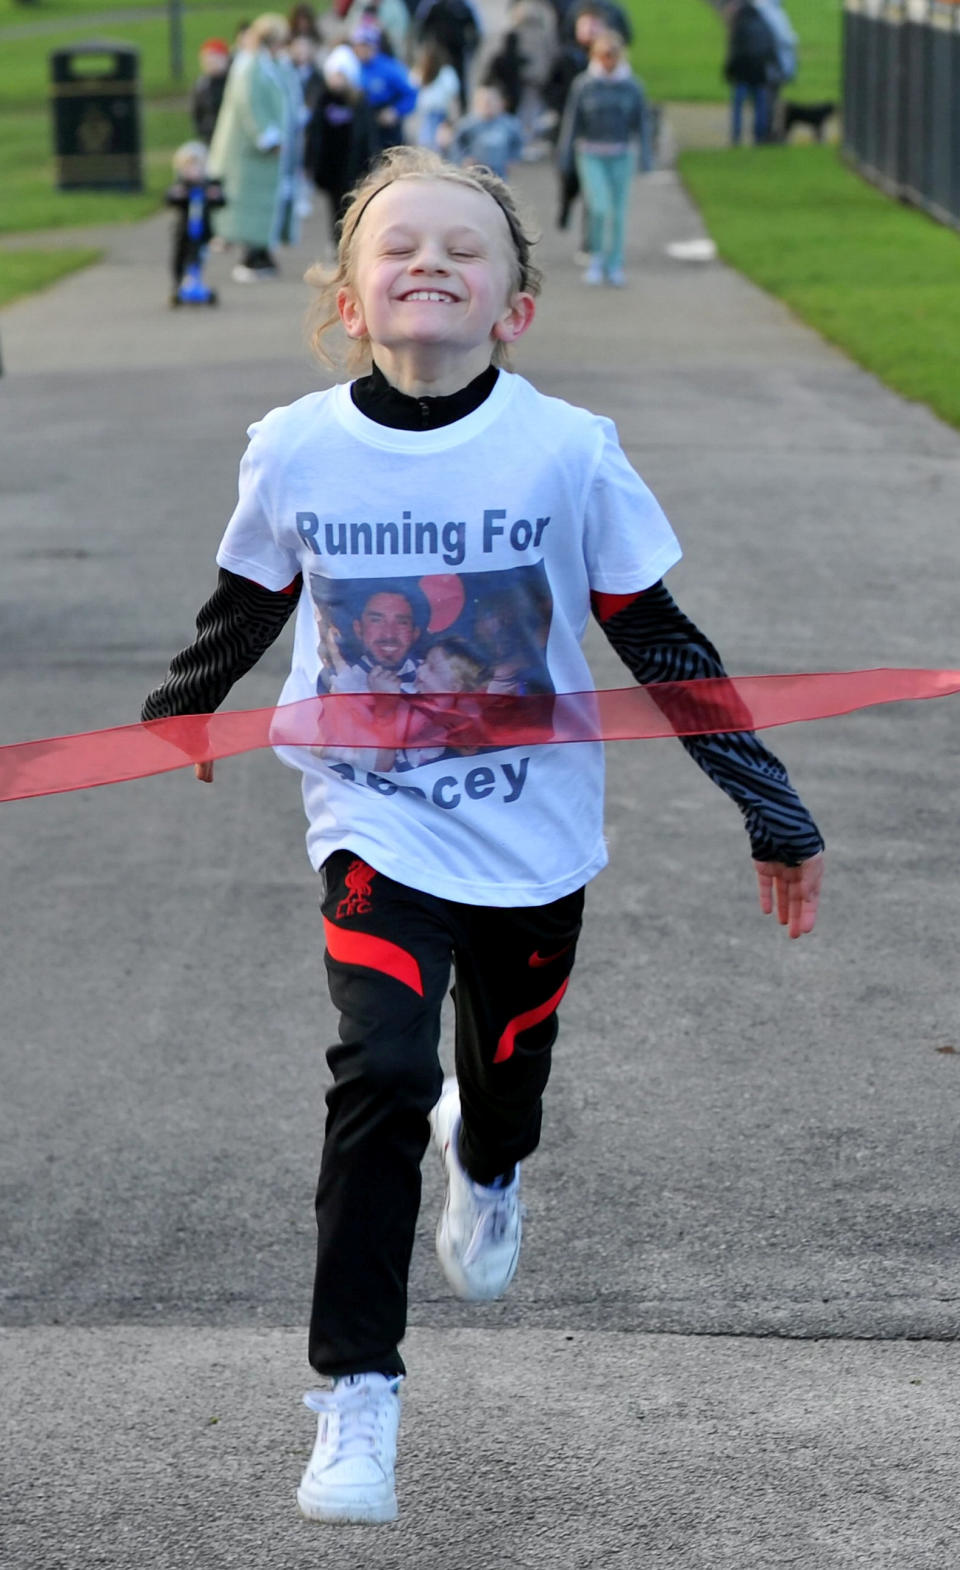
[(603, 128)]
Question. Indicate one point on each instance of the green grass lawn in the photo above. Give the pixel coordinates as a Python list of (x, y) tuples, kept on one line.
[(876, 278), (27, 174), (30, 199), (25, 77), (680, 44), (24, 272), (14, 13), (27, 177)]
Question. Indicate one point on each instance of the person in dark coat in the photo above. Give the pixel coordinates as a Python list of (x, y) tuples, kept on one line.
[(453, 25), (341, 136), (752, 69), (207, 95), (504, 71), (302, 22)]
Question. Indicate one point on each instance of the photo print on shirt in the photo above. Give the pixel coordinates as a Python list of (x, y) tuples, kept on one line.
[(439, 633)]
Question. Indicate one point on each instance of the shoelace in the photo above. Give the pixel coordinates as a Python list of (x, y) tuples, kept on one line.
[(357, 1409)]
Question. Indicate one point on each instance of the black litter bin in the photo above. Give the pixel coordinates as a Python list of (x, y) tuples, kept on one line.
[(96, 117)]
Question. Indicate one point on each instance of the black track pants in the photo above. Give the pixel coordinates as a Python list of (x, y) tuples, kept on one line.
[(389, 955)]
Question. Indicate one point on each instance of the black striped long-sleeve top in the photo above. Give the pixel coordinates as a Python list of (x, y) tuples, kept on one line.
[(658, 643)]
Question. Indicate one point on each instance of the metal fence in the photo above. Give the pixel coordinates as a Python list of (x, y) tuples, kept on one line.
[(901, 99)]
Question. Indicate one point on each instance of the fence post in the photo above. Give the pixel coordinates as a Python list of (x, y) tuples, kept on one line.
[(901, 112)]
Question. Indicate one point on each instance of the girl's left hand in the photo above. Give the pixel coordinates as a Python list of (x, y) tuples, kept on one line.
[(794, 890)]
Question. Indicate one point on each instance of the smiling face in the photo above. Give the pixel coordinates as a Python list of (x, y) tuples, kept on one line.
[(434, 265), (387, 630)]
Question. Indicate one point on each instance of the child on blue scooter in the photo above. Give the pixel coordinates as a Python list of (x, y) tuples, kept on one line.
[(194, 197)]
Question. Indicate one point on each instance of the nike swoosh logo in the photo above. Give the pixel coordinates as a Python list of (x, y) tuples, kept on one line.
[(537, 959)]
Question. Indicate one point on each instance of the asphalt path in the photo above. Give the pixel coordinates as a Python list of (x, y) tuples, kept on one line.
[(731, 1339)]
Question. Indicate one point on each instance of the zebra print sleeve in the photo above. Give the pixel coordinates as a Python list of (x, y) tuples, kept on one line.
[(658, 643), (235, 627)]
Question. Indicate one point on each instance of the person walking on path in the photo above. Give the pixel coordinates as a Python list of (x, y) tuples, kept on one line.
[(455, 27), (751, 68), (474, 862), (391, 16), (534, 22), (603, 127), (786, 42), (290, 195), (341, 137), (302, 22), (252, 130), (208, 89), (438, 97), (572, 58), (386, 85)]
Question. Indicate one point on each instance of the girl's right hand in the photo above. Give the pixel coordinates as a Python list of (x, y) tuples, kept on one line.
[(204, 771)]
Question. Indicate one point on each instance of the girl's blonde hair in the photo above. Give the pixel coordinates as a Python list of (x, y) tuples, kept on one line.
[(409, 163), (271, 29)]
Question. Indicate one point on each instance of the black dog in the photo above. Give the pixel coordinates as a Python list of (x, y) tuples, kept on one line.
[(813, 115)]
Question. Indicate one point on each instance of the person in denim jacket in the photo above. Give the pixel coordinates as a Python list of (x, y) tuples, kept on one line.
[(604, 127)]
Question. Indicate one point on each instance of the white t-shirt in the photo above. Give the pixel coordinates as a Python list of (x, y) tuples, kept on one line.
[(463, 555)]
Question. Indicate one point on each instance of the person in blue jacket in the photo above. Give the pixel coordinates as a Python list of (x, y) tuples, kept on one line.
[(786, 42), (386, 84)]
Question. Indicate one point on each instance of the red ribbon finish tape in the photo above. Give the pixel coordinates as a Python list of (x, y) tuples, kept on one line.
[(463, 720)]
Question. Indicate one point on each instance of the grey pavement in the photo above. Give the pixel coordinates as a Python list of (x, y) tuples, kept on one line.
[(732, 1337)]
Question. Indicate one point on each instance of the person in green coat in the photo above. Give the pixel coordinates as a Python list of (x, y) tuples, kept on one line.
[(247, 148)]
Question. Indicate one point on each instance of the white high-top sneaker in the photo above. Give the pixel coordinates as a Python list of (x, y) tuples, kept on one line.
[(350, 1473), (479, 1231)]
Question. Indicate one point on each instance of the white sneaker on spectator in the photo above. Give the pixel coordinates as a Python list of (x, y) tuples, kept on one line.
[(594, 273), (480, 1228), (616, 277), (350, 1475)]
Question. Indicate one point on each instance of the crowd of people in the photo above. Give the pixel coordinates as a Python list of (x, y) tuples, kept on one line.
[(298, 107)]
